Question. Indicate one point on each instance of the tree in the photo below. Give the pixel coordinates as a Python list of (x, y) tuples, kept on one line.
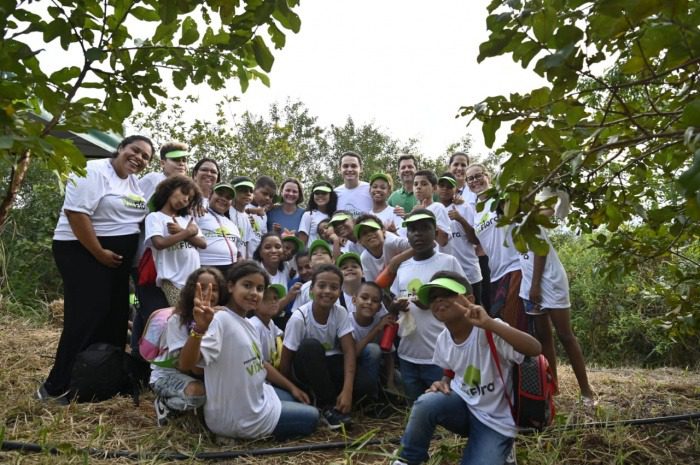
[(113, 53), (622, 139)]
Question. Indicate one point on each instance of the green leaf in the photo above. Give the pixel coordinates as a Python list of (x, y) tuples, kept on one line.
[(95, 54), (614, 216), (190, 34), (489, 128), (539, 97), (6, 142), (262, 54), (543, 24), (574, 114), (548, 136), (65, 74), (286, 16), (691, 114), (512, 204), (145, 14), (165, 32)]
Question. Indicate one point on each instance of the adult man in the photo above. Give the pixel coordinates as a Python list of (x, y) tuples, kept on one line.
[(403, 197), (353, 194)]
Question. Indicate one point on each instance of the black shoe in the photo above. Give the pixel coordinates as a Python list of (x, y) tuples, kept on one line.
[(43, 396), (162, 411), (335, 419)]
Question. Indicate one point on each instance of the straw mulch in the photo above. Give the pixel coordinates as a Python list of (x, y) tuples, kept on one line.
[(27, 350)]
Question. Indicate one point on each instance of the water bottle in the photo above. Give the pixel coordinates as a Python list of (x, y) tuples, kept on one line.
[(388, 336)]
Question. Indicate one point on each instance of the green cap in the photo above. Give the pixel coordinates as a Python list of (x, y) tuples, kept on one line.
[(280, 289), (418, 217), (383, 176), (225, 185), (244, 184), (366, 223), (322, 188), (450, 180), (297, 242), (320, 243), (177, 154), (442, 283), (339, 218), (347, 255)]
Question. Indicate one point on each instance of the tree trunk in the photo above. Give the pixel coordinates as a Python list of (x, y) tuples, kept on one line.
[(19, 171)]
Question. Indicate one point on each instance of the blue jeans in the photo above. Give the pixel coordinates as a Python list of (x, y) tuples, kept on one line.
[(484, 447), (418, 377), (369, 363), (296, 419)]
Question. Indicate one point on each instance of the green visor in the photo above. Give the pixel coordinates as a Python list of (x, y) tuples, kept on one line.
[(348, 255), (323, 188), (225, 185), (368, 223), (244, 184), (297, 242), (383, 176), (448, 179), (320, 243), (339, 218), (418, 217), (442, 283), (177, 154), (279, 289)]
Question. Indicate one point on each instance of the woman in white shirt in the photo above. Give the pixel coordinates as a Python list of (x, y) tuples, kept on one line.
[(220, 232)]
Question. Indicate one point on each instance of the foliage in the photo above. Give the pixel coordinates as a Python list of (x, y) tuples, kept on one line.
[(621, 139), (111, 54)]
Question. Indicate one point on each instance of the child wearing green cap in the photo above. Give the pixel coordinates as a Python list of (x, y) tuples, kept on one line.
[(424, 187), (470, 399), (342, 223), (322, 205), (380, 187), (243, 186), (380, 247)]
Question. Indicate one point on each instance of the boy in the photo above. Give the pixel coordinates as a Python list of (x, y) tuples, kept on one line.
[(424, 186), (342, 223), (351, 267), (379, 247), (470, 398), (320, 254), (380, 186), (416, 348), (263, 193), (243, 186)]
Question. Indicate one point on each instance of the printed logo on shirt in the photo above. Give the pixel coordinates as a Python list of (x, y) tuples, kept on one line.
[(471, 383), (134, 201), (485, 222), (254, 365), (180, 245), (219, 232)]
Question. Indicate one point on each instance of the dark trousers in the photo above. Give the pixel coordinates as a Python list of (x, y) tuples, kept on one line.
[(485, 282), (96, 302), (323, 375)]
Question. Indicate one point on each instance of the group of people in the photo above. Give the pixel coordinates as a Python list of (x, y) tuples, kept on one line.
[(280, 314)]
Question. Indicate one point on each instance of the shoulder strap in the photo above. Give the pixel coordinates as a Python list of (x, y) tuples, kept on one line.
[(223, 234), (494, 355)]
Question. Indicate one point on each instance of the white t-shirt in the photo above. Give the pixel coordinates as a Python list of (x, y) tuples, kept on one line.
[(388, 217), (176, 262), (149, 182), (303, 325), (175, 338), (372, 266), (443, 220), (280, 277), (361, 332), (356, 200), (461, 248), (351, 246), (239, 403), (555, 284), (268, 339), (116, 206), (502, 258), (303, 297), (242, 221), (309, 224), (418, 346), (222, 238), (257, 230), (476, 377)]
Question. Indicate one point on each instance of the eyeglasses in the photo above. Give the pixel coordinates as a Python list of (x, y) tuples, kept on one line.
[(475, 177)]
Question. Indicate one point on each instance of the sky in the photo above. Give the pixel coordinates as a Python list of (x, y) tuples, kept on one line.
[(405, 65)]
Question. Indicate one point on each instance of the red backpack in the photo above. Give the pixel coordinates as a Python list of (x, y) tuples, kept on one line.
[(533, 390)]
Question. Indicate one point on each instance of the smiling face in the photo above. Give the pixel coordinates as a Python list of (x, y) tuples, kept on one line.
[(172, 166), (244, 195), (271, 251), (290, 193), (422, 188), (380, 190), (206, 176), (352, 271), (458, 168), (351, 170), (446, 192), (320, 256), (326, 289), (371, 238), (407, 169), (343, 228), (221, 200), (132, 158), (246, 293), (304, 268), (421, 235), (367, 302), (477, 180), (442, 305), (206, 279), (263, 196), (321, 198), (269, 306)]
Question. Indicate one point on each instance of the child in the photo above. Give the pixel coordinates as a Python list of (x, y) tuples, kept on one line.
[(226, 344), (270, 335), (350, 266), (379, 247), (322, 205), (380, 188), (416, 349), (344, 240), (463, 235), (319, 350), (243, 186), (173, 235), (269, 255), (291, 245), (219, 231), (319, 254), (263, 194), (175, 389), (470, 398), (424, 186)]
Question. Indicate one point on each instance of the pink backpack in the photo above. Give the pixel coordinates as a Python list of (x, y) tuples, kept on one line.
[(153, 342)]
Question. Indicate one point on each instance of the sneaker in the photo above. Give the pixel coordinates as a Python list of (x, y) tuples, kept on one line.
[(512, 458), (43, 395), (335, 419), (162, 411)]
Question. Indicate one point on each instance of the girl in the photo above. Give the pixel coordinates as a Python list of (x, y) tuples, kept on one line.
[(270, 255), (322, 205), (227, 345), (319, 349), (470, 398), (270, 335), (177, 389), (380, 187), (286, 217), (173, 235), (219, 231)]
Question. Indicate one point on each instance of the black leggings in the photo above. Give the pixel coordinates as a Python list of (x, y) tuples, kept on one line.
[(96, 302)]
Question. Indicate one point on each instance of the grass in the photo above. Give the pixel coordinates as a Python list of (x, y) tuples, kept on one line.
[(27, 349)]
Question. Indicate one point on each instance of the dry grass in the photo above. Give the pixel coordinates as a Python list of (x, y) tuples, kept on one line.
[(26, 352)]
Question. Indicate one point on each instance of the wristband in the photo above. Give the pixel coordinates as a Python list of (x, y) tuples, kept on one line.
[(195, 334), (449, 373)]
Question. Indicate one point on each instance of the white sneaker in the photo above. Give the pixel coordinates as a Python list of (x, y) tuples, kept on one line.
[(162, 411), (512, 458)]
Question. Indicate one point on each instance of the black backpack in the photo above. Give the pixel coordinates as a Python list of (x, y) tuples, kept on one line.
[(103, 371)]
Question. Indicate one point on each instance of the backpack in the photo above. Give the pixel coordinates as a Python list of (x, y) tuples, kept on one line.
[(533, 390), (146, 270), (102, 371), (152, 341)]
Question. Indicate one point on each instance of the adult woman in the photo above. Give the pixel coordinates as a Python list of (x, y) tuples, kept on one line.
[(286, 217), (220, 232), (93, 246), (206, 174)]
